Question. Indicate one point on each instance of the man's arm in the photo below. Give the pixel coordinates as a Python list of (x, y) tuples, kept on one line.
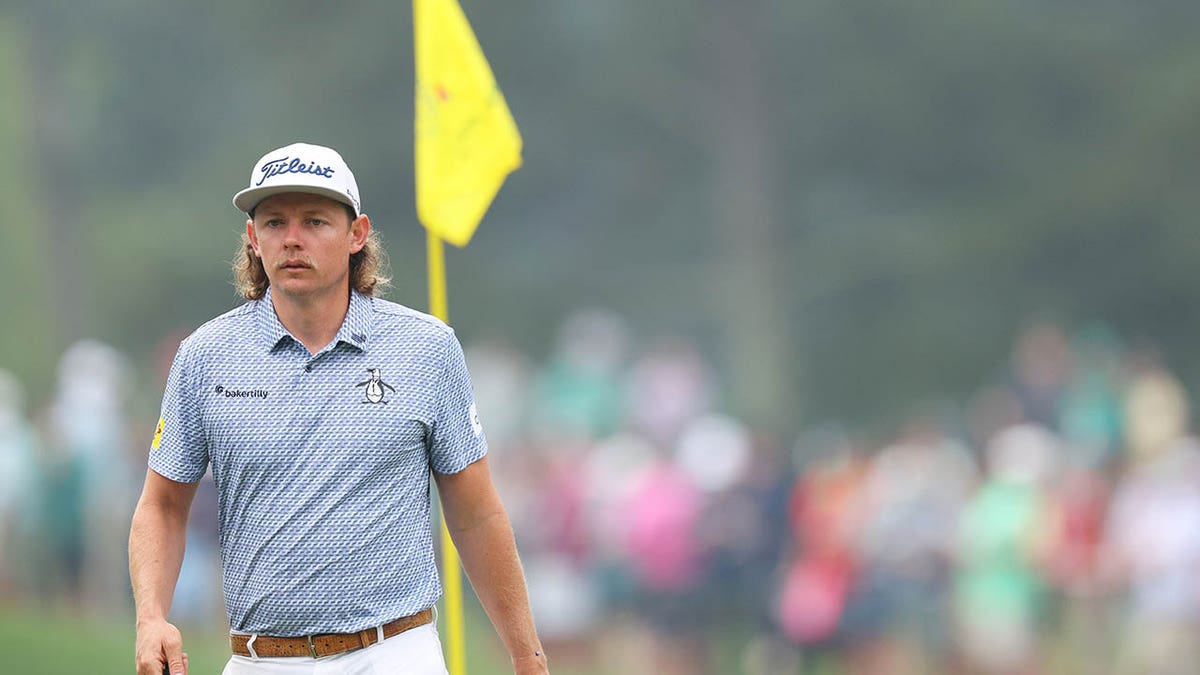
[(156, 542), (481, 531)]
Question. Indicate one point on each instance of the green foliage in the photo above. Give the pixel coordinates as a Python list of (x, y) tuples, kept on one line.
[(848, 203), (29, 334)]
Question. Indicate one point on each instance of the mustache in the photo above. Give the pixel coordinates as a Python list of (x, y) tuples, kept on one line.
[(290, 262)]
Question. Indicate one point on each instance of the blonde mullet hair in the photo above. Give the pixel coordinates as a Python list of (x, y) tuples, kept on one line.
[(368, 269)]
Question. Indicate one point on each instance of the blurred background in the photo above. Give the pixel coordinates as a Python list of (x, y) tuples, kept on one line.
[(825, 337)]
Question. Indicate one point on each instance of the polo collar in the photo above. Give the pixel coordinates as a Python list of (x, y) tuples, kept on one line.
[(355, 330), (269, 326)]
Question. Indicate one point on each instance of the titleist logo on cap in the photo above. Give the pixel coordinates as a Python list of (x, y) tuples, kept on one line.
[(300, 167), (276, 167)]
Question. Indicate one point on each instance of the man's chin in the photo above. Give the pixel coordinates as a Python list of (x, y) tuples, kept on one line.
[(294, 287)]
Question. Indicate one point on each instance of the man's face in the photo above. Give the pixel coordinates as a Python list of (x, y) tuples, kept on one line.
[(305, 242)]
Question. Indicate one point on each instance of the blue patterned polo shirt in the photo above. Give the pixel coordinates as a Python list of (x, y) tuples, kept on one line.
[(322, 462)]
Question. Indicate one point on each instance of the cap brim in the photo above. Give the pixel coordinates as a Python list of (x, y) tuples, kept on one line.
[(248, 199)]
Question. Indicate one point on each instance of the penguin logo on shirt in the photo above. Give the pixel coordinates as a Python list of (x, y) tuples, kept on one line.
[(375, 387)]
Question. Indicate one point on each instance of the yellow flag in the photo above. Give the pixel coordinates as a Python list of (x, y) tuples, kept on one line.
[(467, 141)]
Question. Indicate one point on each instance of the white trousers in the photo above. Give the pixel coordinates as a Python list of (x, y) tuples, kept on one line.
[(416, 651)]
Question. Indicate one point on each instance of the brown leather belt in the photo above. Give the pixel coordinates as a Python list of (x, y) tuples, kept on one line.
[(324, 645)]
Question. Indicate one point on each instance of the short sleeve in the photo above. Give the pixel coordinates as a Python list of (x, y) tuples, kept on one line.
[(458, 439), (178, 450)]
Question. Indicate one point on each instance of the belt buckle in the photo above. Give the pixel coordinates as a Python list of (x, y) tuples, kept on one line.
[(312, 648)]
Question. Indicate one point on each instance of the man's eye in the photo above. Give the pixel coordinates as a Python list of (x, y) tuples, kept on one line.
[(274, 223), (315, 222)]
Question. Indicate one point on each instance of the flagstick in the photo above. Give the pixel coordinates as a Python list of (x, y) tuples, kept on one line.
[(451, 576), (437, 277)]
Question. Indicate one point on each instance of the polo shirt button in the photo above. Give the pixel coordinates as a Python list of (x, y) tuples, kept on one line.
[(308, 367)]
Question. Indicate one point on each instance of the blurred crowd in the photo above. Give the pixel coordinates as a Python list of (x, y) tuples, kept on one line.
[(1048, 523)]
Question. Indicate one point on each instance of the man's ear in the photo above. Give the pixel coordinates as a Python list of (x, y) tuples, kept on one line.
[(253, 237), (360, 228)]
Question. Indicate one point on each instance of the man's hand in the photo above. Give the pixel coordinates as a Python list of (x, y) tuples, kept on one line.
[(156, 542), (160, 650), (481, 531), (531, 664)]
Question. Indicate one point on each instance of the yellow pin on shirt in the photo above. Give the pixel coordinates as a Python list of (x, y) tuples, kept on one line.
[(158, 431)]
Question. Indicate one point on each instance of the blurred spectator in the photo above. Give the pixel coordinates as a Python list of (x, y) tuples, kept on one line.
[(198, 596), (912, 496), (714, 453), (1079, 503), (1156, 413), (563, 596), (719, 457), (1090, 415), (566, 607), (669, 386), (822, 568), (89, 425), (18, 476), (60, 508), (502, 381), (613, 470), (579, 393), (662, 519), (1153, 545), (1000, 595), (1041, 365), (742, 530)]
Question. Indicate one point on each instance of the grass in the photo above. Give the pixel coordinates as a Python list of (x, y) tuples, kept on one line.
[(58, 642), (61, 642), (43, 641)]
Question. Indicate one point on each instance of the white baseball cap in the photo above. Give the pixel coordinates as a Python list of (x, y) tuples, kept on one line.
[(300, 167)]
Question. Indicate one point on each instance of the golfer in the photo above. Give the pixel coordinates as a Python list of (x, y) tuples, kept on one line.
[(322, 412)]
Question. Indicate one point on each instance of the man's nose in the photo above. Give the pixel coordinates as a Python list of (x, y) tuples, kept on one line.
[(291, 235)]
